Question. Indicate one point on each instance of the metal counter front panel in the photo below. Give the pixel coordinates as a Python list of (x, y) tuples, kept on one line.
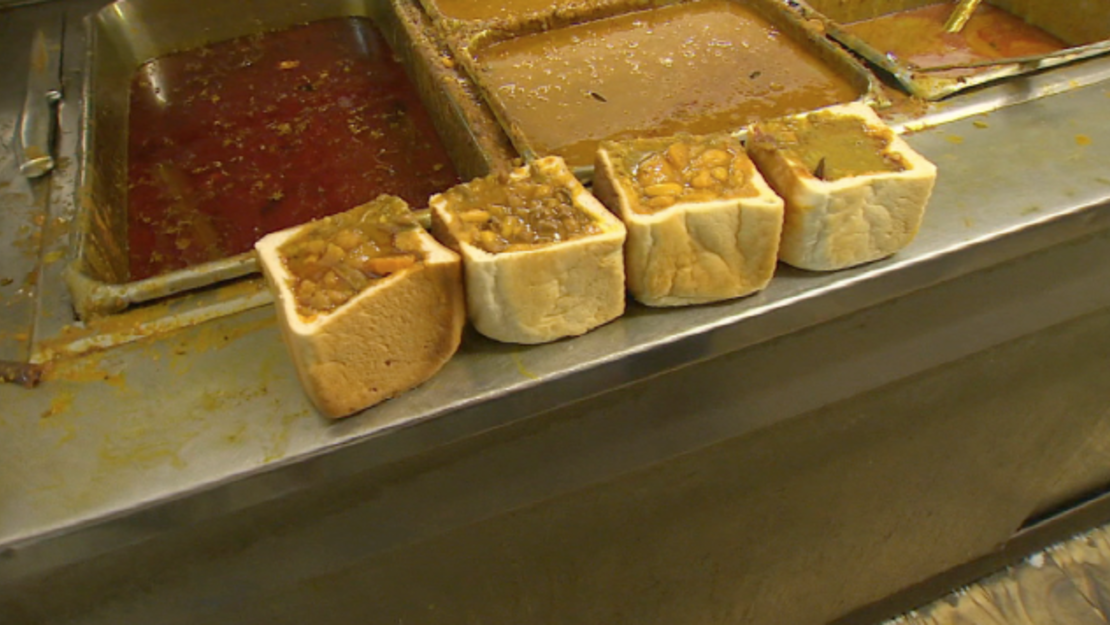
[(787, 483)]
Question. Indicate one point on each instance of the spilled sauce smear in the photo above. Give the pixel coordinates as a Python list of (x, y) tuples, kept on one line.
[(701, 67), (241, 138)]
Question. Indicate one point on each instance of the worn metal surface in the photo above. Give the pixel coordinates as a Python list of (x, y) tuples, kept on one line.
[(784, 484), (1085, 28), (163, 424), (128, 33)]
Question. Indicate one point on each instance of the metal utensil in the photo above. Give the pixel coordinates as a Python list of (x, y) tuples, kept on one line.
[(44, 91), (960, 15)]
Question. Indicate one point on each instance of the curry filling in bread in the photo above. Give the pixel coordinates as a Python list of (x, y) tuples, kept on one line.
[(703, 225), (855, 191), (370, 304), (542, 256)]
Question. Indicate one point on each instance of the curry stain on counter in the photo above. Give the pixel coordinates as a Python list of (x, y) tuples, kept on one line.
[(699, 67), (141, 446), (59, 403), (110, 446), (151, 323), (90, 368)]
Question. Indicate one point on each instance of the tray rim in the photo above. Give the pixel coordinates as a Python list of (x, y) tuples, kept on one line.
[(93, 297), (921, 84), (465, 44)]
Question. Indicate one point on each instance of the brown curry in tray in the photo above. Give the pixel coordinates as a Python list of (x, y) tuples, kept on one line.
[(699, 67)]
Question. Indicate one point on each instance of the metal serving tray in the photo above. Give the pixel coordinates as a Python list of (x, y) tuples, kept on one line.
[(1085, 26), (124, 35), (786, 19)]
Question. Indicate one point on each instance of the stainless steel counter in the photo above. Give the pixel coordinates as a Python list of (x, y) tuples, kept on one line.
[(151, 435)]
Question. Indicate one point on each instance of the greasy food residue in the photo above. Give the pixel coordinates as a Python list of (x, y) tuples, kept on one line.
[(917, 36), (241, 138), (59, 403), (699, 67), (24, 374)]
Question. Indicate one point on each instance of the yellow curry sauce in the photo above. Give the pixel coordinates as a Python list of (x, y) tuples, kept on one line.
[(698, 67), (688, 169), (500, 214), (829, 146), (338, 257)]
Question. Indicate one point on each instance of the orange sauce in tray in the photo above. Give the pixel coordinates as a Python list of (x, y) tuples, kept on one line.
[(699, 67), (241, 138), (917, 36)]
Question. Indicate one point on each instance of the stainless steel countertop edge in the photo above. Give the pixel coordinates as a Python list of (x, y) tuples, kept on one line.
[(88, 538)]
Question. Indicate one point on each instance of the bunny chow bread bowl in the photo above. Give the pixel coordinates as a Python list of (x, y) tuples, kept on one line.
[(855, 191), (703, 225), (370, 305), (541, 256)]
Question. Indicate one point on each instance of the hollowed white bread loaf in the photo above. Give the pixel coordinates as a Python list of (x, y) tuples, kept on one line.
[(841, 223), (549, 291), (385, 340), (691, 252)]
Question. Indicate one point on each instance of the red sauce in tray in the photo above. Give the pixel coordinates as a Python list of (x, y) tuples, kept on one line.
[(241, 138)]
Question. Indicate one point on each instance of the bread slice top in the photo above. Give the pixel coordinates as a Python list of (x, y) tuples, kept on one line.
[(532, 209), (656, 178), (356, 252), (835, 148)]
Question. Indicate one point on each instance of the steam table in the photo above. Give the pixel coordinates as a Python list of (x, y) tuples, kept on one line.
[(842, 444)]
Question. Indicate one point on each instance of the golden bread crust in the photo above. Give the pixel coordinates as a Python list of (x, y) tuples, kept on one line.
[(832, 225), (386, 340), (693, 253), (548, 292)]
